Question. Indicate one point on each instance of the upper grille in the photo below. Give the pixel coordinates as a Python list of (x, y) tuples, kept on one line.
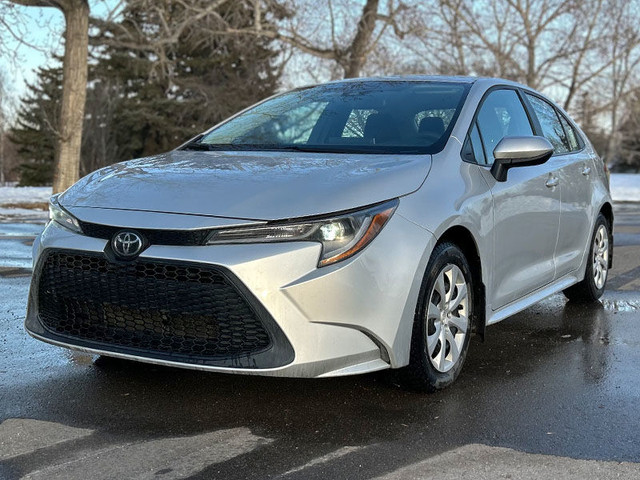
[(154, 237), (191, 313)]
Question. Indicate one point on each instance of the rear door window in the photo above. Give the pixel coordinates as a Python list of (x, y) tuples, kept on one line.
[(572, 136), (550, 123)]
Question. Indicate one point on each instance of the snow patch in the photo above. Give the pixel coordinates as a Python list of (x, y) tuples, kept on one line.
[(23, 215), (23, 195), (625, 187)]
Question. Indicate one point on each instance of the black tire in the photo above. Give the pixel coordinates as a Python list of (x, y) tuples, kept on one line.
[(588, 291), (422, 374)]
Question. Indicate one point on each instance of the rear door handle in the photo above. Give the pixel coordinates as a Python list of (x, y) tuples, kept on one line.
[(586, 170), (552, 182)]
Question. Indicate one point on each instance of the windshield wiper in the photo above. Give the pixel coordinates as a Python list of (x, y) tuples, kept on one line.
[(211, 147), (346, 149), (196, 146)]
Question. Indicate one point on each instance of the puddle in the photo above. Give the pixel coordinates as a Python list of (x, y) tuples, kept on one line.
[(621, 305)]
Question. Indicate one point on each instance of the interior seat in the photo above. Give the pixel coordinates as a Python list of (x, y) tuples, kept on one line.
[(381, 128), (432, 126)]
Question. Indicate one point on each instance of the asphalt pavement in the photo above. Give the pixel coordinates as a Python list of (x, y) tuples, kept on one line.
[(553, 392)]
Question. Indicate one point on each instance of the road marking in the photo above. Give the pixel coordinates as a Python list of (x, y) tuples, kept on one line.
[(20, 436), (164, 458), (341, 452), (478, 462)]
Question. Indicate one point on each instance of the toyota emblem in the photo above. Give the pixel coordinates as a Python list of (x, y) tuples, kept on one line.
[(127, 244)]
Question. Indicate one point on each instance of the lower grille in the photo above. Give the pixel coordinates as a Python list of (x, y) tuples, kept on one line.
[(189, 313)]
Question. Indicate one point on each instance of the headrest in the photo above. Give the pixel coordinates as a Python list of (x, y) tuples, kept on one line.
[(433, 125)]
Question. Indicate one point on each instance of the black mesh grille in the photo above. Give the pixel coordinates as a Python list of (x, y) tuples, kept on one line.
[(193, 312), (154, 237)]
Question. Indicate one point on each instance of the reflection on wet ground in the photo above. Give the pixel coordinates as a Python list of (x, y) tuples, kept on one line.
[(16, 240)]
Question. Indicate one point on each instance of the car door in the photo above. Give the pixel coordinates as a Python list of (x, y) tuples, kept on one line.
[(575, 169), (526, 207)]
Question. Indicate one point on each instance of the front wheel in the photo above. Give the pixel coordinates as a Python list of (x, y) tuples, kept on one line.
[(442, 325), (592, 287)]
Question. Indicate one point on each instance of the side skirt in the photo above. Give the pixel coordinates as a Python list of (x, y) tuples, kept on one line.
[(534, 297)]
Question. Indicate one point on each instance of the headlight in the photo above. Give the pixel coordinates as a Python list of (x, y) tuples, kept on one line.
[(62, 217), (341, 236)]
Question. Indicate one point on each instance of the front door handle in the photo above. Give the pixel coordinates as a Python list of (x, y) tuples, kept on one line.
[(586, 170), (552, 182)]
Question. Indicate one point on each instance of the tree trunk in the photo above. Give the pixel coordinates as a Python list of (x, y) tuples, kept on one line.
[(74, 92), (612, 142), (532, 74), (357, 53), (1, 156)]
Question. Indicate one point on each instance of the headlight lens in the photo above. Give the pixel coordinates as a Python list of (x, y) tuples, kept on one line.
[(62, 217), (341, 236)]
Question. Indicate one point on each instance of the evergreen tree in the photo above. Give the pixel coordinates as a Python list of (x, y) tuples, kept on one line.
[(170, 94), (627, 158), (36, 126), (139, 104)]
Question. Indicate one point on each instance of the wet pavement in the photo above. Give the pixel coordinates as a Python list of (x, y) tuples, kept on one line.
[(553, 392)]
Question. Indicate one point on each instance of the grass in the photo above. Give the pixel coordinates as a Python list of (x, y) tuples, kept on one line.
[(28, 205)]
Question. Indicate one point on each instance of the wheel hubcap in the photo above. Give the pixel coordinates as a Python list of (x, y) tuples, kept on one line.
[(447, 318), (600, 256)]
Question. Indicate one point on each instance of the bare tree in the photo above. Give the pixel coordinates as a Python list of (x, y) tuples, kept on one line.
[(74, 87), (3, 126), (287, 21), (622, 76), (627, 148), (8, 151), (552, 45)]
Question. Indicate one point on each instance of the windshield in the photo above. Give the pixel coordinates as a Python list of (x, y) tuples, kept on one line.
[(363, 117)]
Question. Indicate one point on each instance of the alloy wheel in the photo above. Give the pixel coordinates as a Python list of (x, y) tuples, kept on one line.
[(600, 256)]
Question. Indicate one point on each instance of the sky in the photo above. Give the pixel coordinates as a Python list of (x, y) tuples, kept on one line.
[(42, 29)]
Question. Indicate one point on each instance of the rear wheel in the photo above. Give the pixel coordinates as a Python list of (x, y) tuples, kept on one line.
[(442, 325), (592, 287)]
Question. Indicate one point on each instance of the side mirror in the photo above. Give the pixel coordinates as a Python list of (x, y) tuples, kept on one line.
[(519, 152)]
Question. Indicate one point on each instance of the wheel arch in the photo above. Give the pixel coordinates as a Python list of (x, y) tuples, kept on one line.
[(607, 211), (465, 241)]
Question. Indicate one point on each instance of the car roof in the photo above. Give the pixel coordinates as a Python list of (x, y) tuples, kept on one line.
[(486, 81), (410, 78)]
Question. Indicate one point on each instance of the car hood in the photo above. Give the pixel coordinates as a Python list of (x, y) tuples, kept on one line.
[(249, 185)]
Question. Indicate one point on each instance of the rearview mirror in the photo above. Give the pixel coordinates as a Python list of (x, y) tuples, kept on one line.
[(519, 152)]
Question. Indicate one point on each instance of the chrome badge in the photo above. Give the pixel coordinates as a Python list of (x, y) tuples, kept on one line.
[(127, 244)]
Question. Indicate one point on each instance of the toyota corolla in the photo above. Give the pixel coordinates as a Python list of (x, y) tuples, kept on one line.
[(336, 229)]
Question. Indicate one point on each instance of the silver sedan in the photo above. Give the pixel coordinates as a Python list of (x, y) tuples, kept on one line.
[(332, 230)]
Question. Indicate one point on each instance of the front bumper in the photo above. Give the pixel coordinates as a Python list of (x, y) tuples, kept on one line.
[(352, 317)]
